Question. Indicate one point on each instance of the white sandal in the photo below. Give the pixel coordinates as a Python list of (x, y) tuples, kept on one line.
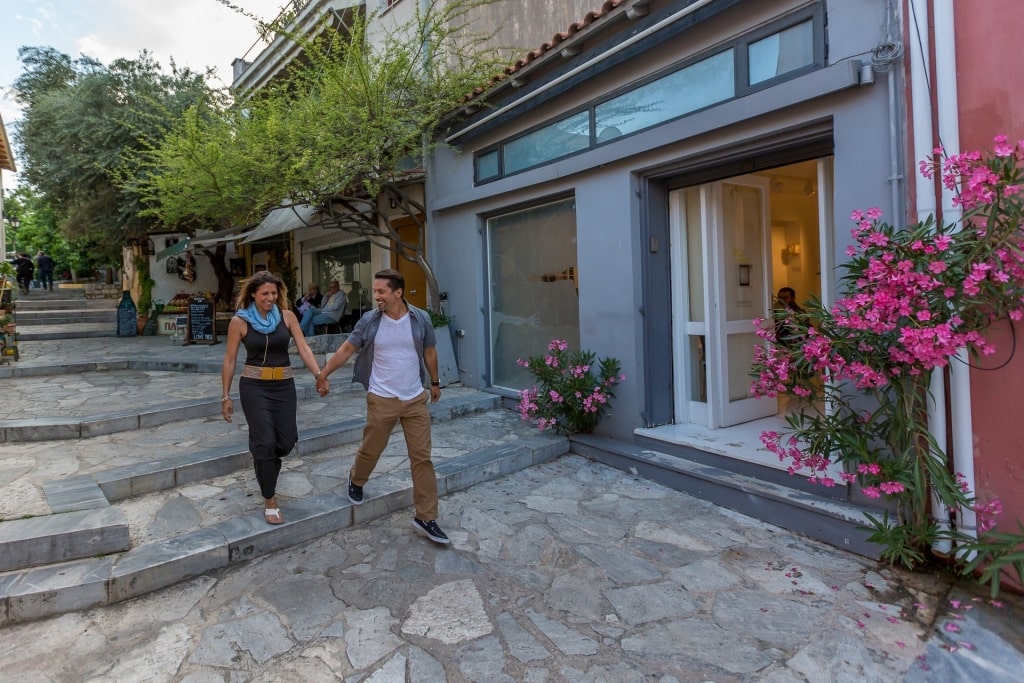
[(269, 513)]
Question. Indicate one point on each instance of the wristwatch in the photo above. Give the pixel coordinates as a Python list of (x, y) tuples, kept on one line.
[(435, 383)]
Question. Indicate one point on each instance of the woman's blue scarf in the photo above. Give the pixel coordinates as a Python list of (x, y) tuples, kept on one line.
[(262, 325)]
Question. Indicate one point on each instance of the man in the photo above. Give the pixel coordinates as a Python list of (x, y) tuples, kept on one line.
[(24, 267), (786, 306), (45, 265), (394, 341), (329, 314)]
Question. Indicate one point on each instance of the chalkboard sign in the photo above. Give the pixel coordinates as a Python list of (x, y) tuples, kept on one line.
[(202, 317), (127, 317)]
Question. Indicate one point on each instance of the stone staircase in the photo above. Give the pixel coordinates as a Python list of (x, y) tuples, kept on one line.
[(126, 530), (64, 313)]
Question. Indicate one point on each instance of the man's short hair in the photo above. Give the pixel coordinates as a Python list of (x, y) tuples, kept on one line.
[(395, 279)]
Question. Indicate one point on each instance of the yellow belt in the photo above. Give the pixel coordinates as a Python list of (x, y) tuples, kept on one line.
[(259, 372)]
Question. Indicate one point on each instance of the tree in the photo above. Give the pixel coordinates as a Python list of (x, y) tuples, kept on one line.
[(82, 129), (38, 231), (343, 134)]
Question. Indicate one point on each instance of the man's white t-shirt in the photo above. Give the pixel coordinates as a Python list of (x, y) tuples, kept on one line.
[(396, 367)]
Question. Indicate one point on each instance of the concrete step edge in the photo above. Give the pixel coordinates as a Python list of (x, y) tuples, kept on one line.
[(45, 591), (833, 521), (120, 483), (58, 538)]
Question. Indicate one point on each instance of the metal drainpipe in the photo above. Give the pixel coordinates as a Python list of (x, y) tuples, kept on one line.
[(960, 369), (921, 117)]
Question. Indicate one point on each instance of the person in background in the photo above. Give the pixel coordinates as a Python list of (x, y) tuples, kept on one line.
[(45, 265), (264, 326), (24, 267), (311, 298), (329, 314), (786, 306), (397, 355)]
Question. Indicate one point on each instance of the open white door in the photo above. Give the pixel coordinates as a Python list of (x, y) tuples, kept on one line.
[(736, 228)]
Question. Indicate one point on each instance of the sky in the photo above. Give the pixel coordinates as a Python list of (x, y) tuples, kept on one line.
[(196, 33)]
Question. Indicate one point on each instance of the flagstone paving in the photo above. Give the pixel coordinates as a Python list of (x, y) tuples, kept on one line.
[(565, 571)]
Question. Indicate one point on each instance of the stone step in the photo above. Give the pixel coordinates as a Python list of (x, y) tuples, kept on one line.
[(66, 317), (824, 518), (62, 537), (66, 331), (84, 494), (27, 303), (36, 592), (79, 427)]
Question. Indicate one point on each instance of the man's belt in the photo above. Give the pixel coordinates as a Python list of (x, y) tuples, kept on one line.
[(260, 372)]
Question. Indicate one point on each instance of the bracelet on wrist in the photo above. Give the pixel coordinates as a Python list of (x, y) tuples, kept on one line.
[(226, 398)]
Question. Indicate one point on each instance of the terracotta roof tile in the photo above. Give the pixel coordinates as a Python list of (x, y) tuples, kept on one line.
[(531, 56)]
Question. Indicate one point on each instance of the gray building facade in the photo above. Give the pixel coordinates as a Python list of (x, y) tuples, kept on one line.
[(644, 185)]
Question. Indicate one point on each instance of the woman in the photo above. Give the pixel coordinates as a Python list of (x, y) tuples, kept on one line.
[(264, 325)]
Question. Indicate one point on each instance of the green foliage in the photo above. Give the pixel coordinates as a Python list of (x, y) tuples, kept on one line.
[(569, 397), (912, 299), (83, 128), (439, 319), (146, 284), (335, 135), (995, 553)]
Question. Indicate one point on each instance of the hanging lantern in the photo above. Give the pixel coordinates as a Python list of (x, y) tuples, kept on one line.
[(148, 248)]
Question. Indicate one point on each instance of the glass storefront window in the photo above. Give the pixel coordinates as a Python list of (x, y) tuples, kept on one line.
[(350, 266), (560, 139), (533, 287), (781, 52)]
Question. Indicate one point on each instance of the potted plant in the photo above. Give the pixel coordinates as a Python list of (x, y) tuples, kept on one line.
[(7, 323)]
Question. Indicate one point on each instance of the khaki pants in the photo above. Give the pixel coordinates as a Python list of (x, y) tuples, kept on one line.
[(381, 416)]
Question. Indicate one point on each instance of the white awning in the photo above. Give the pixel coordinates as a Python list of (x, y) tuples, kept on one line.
[(175, 248), (219, 237), (284, 219)]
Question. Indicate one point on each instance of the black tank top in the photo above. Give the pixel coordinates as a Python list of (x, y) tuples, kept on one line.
[(267, 350)]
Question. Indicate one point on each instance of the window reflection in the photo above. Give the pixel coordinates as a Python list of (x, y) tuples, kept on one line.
[(694, 87), (533, 287), (781, 53)]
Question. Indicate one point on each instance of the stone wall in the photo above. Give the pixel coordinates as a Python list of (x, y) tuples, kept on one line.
[(95, 290)]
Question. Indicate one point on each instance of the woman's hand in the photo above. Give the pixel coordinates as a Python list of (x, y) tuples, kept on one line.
[(227, 409)]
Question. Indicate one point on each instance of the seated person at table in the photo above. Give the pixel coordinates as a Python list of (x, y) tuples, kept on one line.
[(311, 298), (330, 314)]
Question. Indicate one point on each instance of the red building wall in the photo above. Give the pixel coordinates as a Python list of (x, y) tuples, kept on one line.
[(991, 102)]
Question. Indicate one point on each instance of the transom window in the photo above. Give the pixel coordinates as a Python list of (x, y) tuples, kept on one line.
[(785, 49)]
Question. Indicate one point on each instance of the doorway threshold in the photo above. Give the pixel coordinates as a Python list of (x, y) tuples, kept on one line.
[(739, 442)]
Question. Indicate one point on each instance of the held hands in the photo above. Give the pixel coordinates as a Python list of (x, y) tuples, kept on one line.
[(323, 386)]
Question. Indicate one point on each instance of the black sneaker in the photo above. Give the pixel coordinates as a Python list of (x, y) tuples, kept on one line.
[(355, 493), (431, 530)]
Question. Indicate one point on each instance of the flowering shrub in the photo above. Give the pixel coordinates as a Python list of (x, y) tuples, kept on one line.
[(569, 398), (909, 300)]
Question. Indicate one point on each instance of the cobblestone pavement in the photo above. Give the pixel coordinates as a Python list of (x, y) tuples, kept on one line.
[(566, 571)]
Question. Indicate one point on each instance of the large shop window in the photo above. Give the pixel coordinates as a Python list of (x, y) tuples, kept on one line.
[(350, 266), (533, 287)]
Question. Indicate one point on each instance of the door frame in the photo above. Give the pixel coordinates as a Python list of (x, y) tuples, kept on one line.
[(716, 410)]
